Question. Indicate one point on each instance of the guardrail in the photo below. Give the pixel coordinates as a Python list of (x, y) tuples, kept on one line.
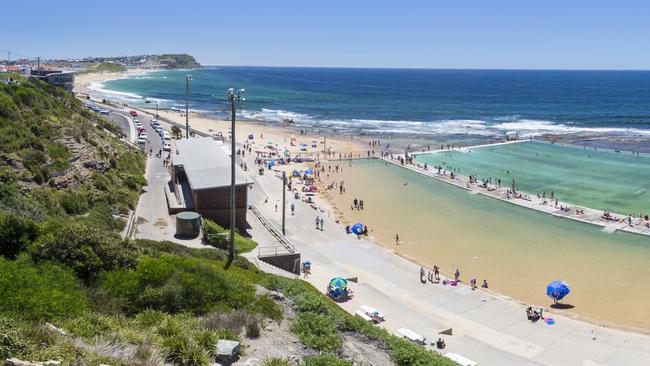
[(275, 232)]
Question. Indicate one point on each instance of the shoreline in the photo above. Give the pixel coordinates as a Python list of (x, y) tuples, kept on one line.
[(281, 134)]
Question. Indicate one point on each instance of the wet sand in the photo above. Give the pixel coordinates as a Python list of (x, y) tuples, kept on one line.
[(516, 249)]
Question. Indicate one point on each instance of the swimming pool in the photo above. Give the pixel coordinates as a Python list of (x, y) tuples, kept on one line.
[(604, 180)]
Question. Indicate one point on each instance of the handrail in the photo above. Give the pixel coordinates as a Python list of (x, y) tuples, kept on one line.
[(275, 232)]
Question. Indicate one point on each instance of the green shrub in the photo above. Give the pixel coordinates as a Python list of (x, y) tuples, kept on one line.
[(325, 360), (87, 250), (16, 234), (39, 292), (267, 307), (11, 342), (276, 361), (184, 351), (216, 236), (317, 331), (175, 284)]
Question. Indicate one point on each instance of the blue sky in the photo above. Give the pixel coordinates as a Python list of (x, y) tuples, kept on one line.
[(358, 33)]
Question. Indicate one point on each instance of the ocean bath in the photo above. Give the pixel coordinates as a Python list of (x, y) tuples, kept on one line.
[(517, 250), (603, 180)]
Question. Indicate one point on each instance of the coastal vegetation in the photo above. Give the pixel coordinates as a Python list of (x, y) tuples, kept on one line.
[(74, 290), (178, 61), (105, 67)]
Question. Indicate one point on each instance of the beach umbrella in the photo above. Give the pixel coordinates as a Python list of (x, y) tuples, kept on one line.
[(271, 163), (557, 290), (339, 282), (357, 228), (250, 136), (309, 171), (296, 173)]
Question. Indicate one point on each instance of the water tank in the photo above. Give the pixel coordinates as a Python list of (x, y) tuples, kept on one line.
[(188, 224)]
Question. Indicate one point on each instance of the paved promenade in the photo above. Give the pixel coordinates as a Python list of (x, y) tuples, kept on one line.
[(488, 328)]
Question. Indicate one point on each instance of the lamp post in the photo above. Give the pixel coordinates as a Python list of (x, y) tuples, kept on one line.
[(233, 98), (148, 102), (187, 105)]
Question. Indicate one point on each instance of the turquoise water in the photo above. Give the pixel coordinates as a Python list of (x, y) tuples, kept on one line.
[(604, 180)]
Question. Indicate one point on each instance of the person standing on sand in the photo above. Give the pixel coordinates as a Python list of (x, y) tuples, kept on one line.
[(396, 239), (436, 272), (457, 274), (485, 284)]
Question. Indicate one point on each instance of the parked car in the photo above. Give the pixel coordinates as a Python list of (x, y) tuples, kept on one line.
[(166, 136), (142, 139), (104, 112), (142, 130), (153, 119), (167, 146), (133, 113)]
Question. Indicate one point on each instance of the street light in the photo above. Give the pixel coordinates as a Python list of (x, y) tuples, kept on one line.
[(187, 105), (148, 101), (233, 98)]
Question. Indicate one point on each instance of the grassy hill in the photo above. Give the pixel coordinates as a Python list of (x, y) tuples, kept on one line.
[(105, 67), (178, 61), (72, 290)]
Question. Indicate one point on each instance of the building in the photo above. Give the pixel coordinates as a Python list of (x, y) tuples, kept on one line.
[(201, 171), (61, 79)]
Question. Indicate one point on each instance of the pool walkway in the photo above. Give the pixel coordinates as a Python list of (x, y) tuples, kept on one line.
[(587, 215)]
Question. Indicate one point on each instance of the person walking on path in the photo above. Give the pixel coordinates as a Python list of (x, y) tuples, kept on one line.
[(293, 208), (457, 274), (317, 222), (322, 222)]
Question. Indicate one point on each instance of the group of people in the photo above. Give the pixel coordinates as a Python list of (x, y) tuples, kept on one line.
[(433, 276), (534, 315), (357, 204)]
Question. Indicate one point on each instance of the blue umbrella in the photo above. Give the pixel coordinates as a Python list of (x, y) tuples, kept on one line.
[(557, 290), (357, 228), (339, 282), (271, 163), (309, 171), (296, 173)]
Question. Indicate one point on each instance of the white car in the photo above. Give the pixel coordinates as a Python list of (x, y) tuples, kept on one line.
[(167, 146), (135, 120), (142, 139), (142, 135)]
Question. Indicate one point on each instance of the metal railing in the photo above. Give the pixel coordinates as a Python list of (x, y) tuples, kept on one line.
[(275, 232)]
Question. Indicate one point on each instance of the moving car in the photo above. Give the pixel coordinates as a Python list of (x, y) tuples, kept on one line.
[(133, 113), (142, 139)]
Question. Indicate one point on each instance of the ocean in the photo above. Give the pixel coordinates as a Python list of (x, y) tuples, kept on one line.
[(411, 102)]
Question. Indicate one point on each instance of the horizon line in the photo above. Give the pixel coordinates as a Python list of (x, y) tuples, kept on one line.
[(428, 68)]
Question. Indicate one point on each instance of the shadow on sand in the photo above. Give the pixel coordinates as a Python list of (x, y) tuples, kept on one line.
[(559, 306)]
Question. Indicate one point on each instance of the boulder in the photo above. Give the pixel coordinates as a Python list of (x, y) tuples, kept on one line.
[(17, 362), (227, 349)]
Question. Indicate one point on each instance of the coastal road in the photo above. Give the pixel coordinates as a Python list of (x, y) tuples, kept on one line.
[(488, 328), (124, 122)]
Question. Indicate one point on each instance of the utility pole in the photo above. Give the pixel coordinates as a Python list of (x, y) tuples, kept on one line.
[(8, 57), (187, 105), (39, 68), (284, 200), (233, 98)]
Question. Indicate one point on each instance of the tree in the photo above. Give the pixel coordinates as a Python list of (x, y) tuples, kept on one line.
[(176, 132), (16, 233)]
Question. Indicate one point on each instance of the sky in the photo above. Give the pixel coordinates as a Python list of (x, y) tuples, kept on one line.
[(492, 34)]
